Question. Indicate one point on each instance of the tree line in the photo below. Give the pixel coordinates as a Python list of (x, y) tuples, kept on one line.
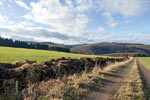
[(29, 45)]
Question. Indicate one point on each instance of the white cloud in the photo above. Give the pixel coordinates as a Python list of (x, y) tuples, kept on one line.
[(142, 38), (1, 3), (123, 7), (22, 4), (66, 19), (69, 21), (56, 40), (7, 24), (110, 20), (112, 24), (3, 18), (101, 30), (84, 5), (70, 18), (107, 15), (38, 34), (22, 24), (94, 35)]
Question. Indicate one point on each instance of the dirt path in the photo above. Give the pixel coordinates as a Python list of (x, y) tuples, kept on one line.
[(111, 84)]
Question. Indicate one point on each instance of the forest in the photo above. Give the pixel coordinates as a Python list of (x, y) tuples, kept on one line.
[(22, 44)]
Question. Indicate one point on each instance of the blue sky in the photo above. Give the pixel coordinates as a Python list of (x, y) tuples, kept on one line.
[(76, 21)]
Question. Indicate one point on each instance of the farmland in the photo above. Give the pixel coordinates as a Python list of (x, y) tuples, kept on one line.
[(8, 54), (145, 61), (56, 76), (49, 71), (80, 76)]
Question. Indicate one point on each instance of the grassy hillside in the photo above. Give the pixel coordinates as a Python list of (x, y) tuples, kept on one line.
[(8, 54), (110, 48), (145, 61)]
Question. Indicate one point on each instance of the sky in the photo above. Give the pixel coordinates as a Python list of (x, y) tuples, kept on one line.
[(76, 21)]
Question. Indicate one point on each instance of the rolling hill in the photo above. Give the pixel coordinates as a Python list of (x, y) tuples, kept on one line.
[(112, 48)]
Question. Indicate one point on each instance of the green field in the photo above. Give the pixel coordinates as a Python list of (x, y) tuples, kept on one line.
[(8, 54), (145, 61)]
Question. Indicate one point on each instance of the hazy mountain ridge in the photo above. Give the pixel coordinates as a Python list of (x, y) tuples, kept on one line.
[(110, 48), (105, 48)]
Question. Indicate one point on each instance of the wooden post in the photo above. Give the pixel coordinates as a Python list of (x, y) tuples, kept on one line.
[(16, 87)]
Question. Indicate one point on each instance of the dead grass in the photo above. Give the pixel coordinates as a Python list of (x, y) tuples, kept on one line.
[(75, 87), (132, 88), (116, 65)]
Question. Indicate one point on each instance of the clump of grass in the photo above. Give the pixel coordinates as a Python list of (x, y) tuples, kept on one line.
[(118, 64), (73, 87)]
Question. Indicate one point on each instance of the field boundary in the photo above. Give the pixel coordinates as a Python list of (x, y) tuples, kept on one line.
[(143, 72), (75, 87), (31, 72)]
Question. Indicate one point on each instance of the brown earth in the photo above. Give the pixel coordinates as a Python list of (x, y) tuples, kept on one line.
[(31, 71)]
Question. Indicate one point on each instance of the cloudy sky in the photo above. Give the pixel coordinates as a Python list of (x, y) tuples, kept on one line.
[(76, 21)]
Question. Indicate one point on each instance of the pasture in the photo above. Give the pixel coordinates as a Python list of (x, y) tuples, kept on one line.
[(9, 54), (145, 61)]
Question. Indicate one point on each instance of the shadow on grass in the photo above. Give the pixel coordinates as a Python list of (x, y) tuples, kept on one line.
[(109, 74), (96, 84)]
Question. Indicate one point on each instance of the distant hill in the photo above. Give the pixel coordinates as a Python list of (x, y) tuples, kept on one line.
[(57, 45), (112, 48), (52, 44), (104, 48)]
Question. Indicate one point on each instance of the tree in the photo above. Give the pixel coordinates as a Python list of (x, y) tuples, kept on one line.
[(23, 44)]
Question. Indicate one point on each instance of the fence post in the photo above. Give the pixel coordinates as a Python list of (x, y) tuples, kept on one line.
[(17, 87)]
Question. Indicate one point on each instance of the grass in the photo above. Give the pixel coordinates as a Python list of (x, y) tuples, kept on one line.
[(9, 54), (145, 61)]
